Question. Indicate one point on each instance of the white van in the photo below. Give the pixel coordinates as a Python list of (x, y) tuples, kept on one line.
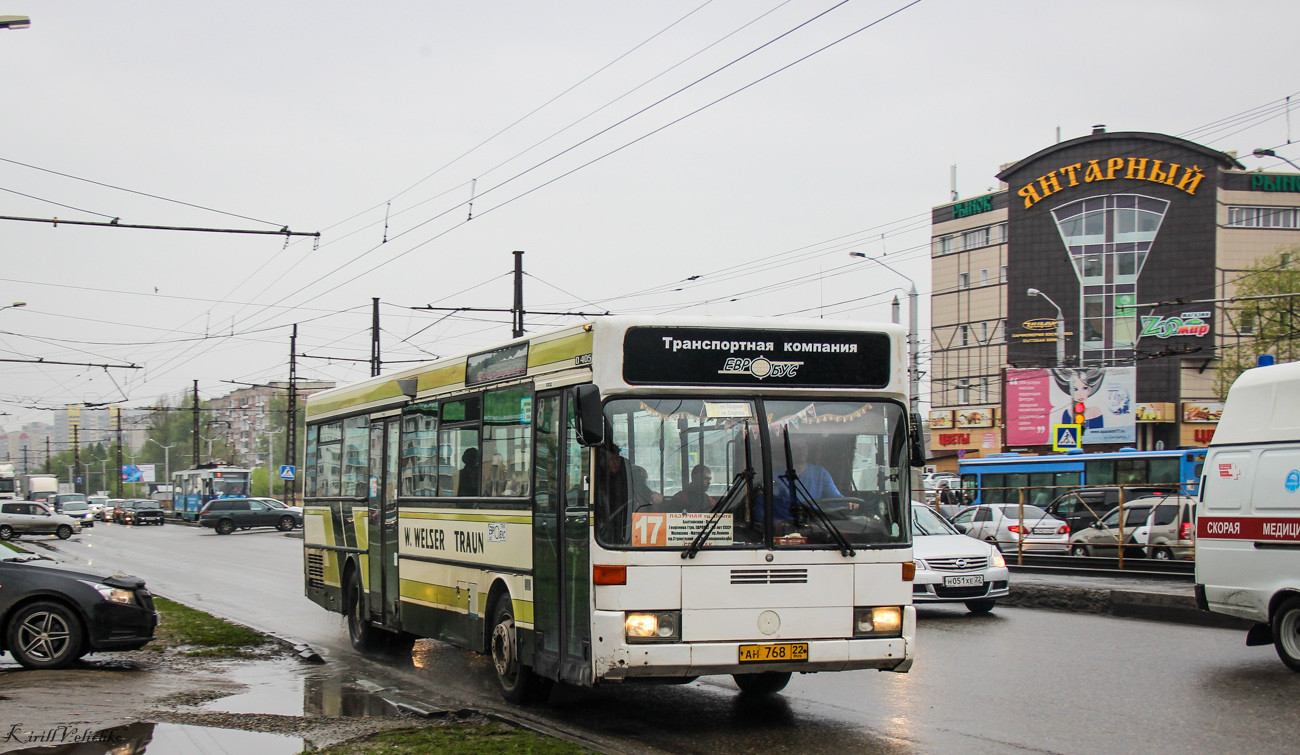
[(1248, 518)]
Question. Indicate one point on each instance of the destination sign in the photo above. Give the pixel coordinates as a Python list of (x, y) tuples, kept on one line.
[(730, 356)]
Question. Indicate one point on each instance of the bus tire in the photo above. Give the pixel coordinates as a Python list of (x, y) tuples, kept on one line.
[(763, 683), (518, 683), (1286, 633), (364, 636), (981, 606)]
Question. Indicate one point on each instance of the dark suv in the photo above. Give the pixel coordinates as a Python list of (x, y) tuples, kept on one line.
[(1081, 507), (225, 515)]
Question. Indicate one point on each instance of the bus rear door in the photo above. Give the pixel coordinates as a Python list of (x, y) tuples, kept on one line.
[(381, 530)]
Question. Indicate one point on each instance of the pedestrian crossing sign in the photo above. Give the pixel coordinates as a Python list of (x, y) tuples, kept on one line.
[(1067, 437), (286, 472)]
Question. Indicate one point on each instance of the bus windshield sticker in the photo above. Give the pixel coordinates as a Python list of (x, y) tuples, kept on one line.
[(677, 529), (498, 364), (732, 356), (728, 410)]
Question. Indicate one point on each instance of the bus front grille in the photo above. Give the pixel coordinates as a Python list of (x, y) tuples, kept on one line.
[(769, 576)]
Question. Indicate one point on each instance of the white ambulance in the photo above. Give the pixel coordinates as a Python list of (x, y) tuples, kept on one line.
[(1248, 519)]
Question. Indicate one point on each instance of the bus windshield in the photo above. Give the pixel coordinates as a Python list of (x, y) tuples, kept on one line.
[(676, 467)]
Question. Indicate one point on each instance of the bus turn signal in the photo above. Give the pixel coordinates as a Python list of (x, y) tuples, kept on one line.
[(609, 575)]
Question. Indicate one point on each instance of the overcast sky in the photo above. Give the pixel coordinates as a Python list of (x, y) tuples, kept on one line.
[(625, 146)]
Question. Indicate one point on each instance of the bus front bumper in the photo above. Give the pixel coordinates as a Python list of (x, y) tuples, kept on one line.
[(616, 659)]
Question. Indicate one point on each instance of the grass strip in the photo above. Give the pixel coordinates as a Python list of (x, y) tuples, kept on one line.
[(456, 739), (196, 633)]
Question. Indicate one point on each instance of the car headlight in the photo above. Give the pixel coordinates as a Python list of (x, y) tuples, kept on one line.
[(920, 564), (114, 594), (997, 560), (880, 621), (652, 626)]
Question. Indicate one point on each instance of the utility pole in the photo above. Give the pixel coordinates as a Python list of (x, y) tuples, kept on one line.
[(47, 454), (374, 337), (518, 308), (118, 411), (26, 469), (76, 456), (197, 457), (291, 430)]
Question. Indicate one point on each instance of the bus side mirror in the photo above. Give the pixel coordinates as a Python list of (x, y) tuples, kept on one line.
[(916, 445), (588, 415)]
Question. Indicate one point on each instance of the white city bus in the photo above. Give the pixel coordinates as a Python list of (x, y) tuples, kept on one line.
[(627, 499)]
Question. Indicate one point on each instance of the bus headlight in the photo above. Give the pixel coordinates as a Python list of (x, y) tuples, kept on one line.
[(880, 621), (652, 626)]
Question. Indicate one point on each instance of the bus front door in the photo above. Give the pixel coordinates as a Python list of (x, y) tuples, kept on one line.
[(561, 546), (381, 521)]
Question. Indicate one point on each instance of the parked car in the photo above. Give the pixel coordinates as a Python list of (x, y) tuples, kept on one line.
[(1000, 524), (79, 510), (142, 511), (1173, 529), (954, 568), (52, 614), (1102, 537), (1081, 507), (225, 515), (28, 518)]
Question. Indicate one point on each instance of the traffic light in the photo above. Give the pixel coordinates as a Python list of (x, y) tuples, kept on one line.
[(1079, 416)]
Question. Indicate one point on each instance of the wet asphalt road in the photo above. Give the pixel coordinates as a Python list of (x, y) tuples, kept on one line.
[(1018, 680)]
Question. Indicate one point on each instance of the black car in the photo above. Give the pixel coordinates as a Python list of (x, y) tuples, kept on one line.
[(226, 515), (1082, 507), (142, 511), (51, 614)]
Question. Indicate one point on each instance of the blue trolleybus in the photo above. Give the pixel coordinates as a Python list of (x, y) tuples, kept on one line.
[(1047, 477), (192, 488)]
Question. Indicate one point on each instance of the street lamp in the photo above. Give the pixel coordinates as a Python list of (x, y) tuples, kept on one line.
[(913, 342), (14, 305), (15, 22), (1060, 326), (1259, 152)]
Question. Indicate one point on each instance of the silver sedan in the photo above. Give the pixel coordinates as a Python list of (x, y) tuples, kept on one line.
[(1005, 525)]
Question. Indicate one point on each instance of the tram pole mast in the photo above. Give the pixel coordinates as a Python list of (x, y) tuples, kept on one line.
[(518, 309), (291, 430), (374, 337), (198, 459), (118, 412)]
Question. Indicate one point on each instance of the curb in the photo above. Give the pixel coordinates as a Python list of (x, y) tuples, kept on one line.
[(304, 651), (1132, 604)]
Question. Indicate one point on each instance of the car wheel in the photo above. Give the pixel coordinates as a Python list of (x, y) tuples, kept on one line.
[(225, 527), (64, 531), (44, 635), (1079, 550), (764, 683), (6, 532), (1162, 554), (517, 682), (1286, 633), (285, 524), (980, 606)]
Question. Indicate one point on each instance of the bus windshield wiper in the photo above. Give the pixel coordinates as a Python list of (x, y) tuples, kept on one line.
[(728, 498), (796, 486)]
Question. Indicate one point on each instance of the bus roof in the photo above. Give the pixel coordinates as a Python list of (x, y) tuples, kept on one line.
[(568, 350), (1263, 406)]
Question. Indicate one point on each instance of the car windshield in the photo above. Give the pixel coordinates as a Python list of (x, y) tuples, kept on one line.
[(673, 464), (1031, 512), (75, 506), (926, 522)]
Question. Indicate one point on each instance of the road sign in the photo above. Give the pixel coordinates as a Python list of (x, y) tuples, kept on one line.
[(1067, 437), (286, 472), (78, 480)]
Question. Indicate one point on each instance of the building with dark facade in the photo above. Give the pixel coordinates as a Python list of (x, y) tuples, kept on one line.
[(1137, 238)]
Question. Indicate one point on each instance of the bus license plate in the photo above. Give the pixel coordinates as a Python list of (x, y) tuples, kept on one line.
[(790, 651), (973, 580)]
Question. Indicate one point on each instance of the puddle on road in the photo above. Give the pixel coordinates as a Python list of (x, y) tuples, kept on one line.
[(159, 739), (281, 688)]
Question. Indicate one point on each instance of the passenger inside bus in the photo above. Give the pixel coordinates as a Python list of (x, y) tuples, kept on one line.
[(695, 498)]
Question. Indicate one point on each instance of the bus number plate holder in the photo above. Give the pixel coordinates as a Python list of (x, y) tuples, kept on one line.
[(781, 653)]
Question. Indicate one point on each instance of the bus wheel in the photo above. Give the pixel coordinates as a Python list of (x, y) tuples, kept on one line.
[(517, 682), (765, 683), (364, 636), (1286, 633)]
